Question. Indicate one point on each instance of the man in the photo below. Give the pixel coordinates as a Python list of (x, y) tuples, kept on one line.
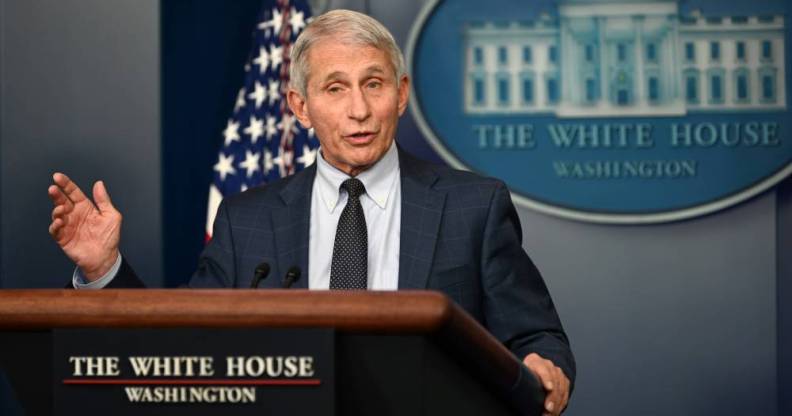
[(393, 222)]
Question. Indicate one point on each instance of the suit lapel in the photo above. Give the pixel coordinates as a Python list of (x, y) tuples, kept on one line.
[(291, 223), (422, 211)]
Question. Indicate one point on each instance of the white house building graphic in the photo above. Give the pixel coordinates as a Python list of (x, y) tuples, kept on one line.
[(625, 58)]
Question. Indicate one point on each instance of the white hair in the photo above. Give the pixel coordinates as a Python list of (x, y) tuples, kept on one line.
[(345, 26)]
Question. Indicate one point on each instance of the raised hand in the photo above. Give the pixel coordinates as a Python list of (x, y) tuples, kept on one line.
[(87, 233)]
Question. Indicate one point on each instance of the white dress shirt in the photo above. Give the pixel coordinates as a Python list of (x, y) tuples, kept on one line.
[(381, 206), (81, 282)]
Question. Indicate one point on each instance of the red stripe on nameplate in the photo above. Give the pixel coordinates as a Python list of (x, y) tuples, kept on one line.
[(183, 382)]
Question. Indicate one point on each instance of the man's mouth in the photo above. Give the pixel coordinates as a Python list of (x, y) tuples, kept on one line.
[(361, 137)]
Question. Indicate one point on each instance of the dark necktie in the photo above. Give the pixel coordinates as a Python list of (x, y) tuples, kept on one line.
[(349, 269)]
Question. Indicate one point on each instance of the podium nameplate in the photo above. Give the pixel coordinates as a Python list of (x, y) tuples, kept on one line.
[(178, 371)]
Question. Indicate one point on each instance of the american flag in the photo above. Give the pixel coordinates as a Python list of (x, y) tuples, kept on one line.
[(263, 140)]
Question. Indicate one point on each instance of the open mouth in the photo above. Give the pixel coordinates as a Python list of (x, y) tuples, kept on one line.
[(361, 137)]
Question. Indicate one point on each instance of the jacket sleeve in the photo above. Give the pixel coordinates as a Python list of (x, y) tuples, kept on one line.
[(126, 278), (517, 306), (217, 263)]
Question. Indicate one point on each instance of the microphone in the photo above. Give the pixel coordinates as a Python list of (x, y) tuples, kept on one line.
[(291, 276), (261, 272)]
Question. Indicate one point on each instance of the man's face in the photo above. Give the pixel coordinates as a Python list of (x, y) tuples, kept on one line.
[(353, 103)]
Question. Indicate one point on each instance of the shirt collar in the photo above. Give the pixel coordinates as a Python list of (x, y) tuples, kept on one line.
[(377, 179)]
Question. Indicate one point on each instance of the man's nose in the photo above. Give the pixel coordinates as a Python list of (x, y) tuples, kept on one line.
[(359, 108)]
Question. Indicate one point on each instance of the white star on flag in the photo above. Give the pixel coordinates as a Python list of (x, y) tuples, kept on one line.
[(288, 123), (271, 127), (283, 160), (308, 156), (269, 164), (274, 91), (259, 94), (240, 100), (296, 20), (277, 20), (231, 132), (262, 60), (276, 56), (255, 129), (272, 26), (251, 162), (225, 166)]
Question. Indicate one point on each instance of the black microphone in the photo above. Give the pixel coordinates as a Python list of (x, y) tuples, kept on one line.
[(291, 276), (261, 272)]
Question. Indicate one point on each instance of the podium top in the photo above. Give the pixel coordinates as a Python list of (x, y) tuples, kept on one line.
[(367, 311)]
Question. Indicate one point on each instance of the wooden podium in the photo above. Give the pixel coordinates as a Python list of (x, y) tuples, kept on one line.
[(396, 353)]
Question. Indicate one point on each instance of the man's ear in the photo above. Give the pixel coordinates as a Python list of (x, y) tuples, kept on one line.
[(404, 93), (299, 106)]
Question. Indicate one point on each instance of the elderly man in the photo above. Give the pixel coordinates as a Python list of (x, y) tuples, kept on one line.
[(393, 222)]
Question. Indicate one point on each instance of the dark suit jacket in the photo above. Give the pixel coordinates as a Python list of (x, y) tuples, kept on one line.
[(460, 235)]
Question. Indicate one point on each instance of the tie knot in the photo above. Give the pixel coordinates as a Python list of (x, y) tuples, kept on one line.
[(354, 187)]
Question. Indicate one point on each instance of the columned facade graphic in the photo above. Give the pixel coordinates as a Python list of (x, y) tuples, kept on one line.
[(624, 58)]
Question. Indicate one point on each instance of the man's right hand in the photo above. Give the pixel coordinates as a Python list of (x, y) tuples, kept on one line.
[(87, 233)]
